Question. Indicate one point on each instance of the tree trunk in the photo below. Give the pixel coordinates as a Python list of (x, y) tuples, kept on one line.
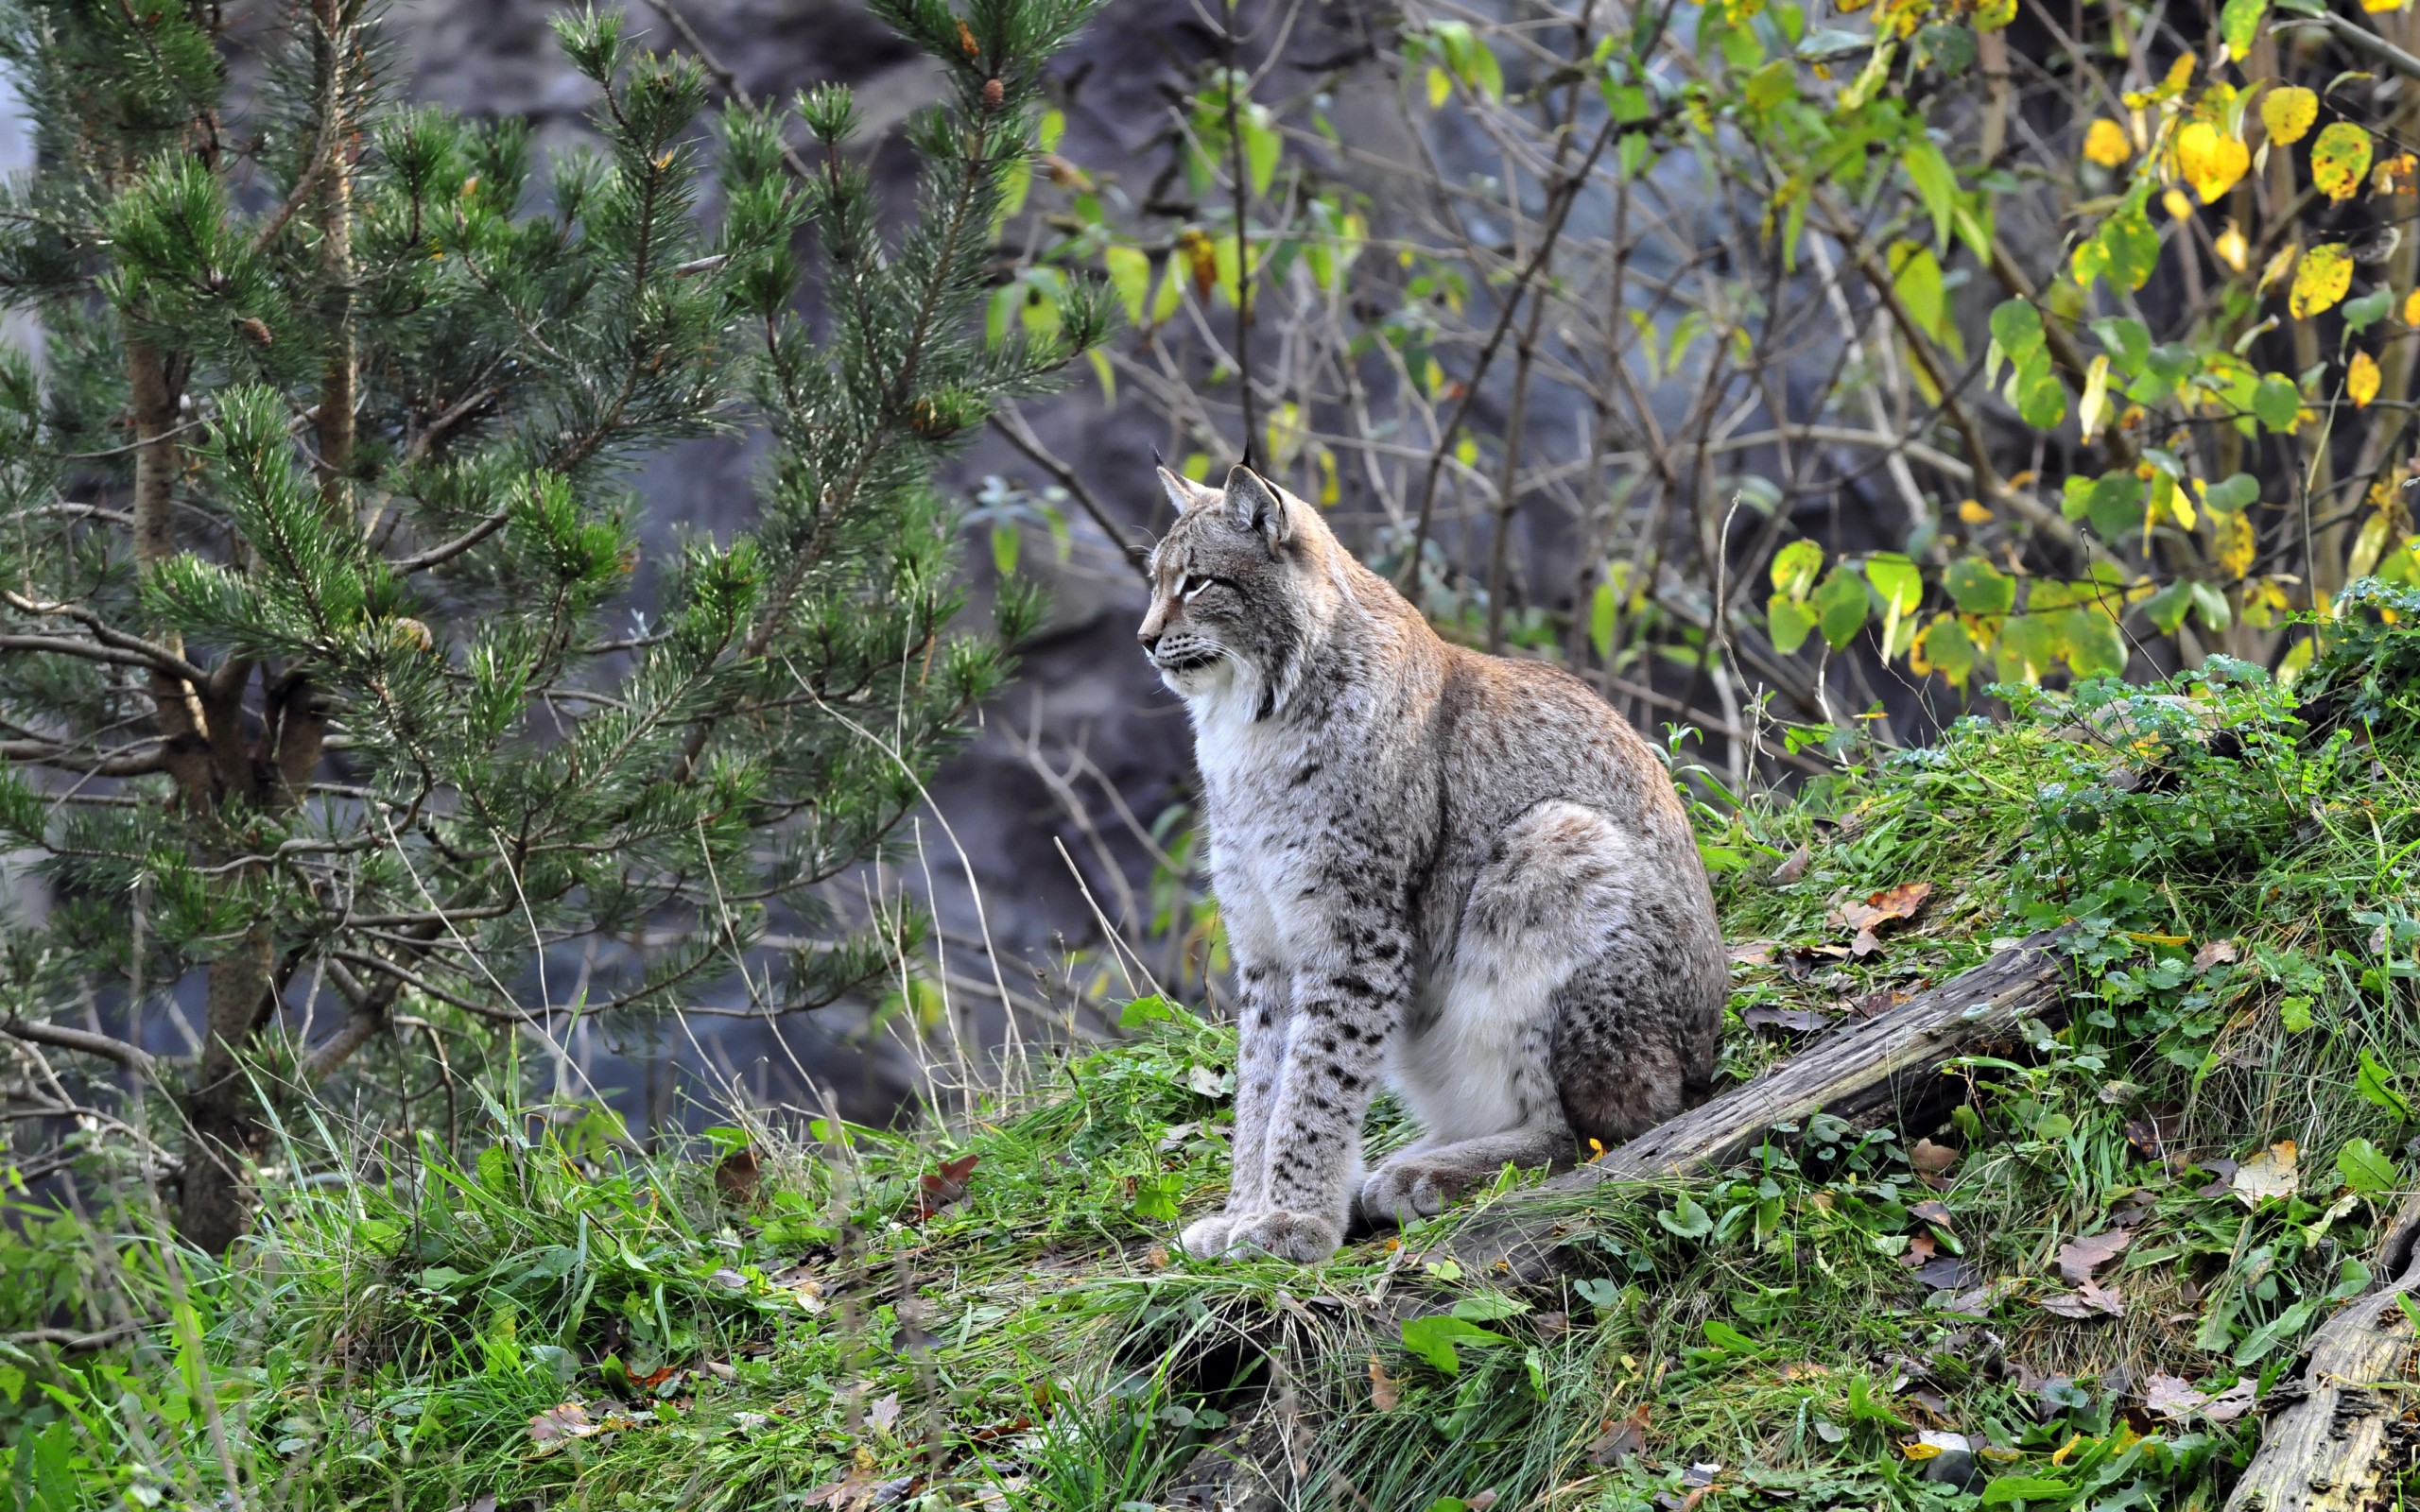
[(2344, 1429), (224, 1119)]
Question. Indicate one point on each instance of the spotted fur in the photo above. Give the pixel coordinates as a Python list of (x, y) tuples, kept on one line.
[(1461, 874)]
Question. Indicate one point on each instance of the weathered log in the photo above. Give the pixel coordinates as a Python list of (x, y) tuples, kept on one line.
[(1876, 1069), (2345, 1428)]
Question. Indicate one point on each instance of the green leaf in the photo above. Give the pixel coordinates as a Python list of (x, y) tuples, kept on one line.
[(2026, 1488), (2294, 1013), (2240, 25), (2167, 608), (2277, 401), (1840, 608), (1262, 145), (1602, 607), (2033, 641), (1915, 273), (2040, 398), (1489, 1307), (2211, 606), (1795, 566), (1141, 1011), (1947, 649), (2367, 1169), (1730, 1340), (1897, 579), (2236, 493), (2016, 325), (1786, 624), (2127, 341), (2367, 311), (2096, 646), (1433, 1339), (1130, 273), (2376, 1082), (1935, 181), (1979, 588), (1687, 1218)]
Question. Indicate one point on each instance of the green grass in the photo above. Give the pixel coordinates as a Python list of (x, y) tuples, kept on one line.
[(392, 1340)]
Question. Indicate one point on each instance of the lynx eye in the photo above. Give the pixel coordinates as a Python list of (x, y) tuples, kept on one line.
[(1189, 587)]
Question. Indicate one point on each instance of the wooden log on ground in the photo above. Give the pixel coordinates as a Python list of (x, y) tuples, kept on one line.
[(2347, 1426), (1873, 1070)]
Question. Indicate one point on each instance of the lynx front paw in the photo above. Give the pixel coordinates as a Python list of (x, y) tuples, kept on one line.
[(1413, 1186), (1207, 1238), (1304, 1238)]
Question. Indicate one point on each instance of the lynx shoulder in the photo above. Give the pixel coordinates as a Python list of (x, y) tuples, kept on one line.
[(1459, 875)]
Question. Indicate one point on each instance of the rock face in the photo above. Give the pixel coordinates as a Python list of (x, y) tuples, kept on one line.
[(1085, 683)]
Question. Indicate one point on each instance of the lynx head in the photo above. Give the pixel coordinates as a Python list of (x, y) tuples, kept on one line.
[(1238, 585)]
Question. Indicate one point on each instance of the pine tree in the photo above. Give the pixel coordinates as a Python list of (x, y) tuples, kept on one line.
[(320, 664)]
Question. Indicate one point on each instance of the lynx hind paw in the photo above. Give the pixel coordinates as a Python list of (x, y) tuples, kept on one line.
[(1413, 1186), (1207, 1238)]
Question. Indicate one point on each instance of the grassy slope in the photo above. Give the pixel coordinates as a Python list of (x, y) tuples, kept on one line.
[(564, 1324)]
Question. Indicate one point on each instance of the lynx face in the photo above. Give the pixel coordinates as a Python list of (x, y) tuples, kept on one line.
[(1229, 604)]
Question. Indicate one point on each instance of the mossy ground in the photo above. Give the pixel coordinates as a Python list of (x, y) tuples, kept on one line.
[(990, 1311)]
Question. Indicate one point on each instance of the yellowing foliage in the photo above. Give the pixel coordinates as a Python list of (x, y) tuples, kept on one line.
[(2340, 160), (2287, 114), (2361, 379), (2104, 142), (2210, 160), (2320, 280)]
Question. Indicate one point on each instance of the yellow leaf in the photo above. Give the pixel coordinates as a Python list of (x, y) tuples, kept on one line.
[(2394, 176), (2275, 267), (2180, 73), (2340, 160), (2287, 114), (2412, 308), (2320, 280), (2235, 544), (2210, 160), (1973, 513), (2370, 544), (2361, 379), (1441, 87), (1920, 1449), (2104, 142), (2232, 249), (2178, 204), (2374, 7), (2096, 396)]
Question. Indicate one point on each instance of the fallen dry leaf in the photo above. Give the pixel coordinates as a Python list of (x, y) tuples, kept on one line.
[(2232, 1403), (1386, 1392), (1482, 1501), (736, 1175), (2268, 1173), (2214, 953), (1620, 1440), (2084, 1301), (1887, 906), (1931, 1159), (1932, 1212), (884, 1413), (2079, 1258), (1920, 1251), (1786, 1020), (1793, 868), (937, 1189), (1756, 953), (566, 1420)]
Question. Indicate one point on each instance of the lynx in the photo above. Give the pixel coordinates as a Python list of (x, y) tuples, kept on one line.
[(1462, 874)]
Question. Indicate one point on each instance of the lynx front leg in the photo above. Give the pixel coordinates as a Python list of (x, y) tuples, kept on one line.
[(1347, 1006), (1261, 1027)]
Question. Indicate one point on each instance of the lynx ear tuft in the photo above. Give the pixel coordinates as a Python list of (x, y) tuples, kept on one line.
[(1256, 505), (1184, 494)]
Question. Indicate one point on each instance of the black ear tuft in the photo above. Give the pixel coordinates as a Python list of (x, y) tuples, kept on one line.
[(1256, 505)]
